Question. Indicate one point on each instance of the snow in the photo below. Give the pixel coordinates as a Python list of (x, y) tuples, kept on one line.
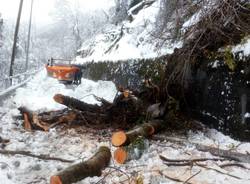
[(193, 20), (243, 47), (39, 92), (138, 40), (247, 115), (81, 143)]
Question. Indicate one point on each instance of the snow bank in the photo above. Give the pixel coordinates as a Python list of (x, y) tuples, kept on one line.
[(38, 93)]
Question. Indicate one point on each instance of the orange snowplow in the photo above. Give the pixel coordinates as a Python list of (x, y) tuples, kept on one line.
[(65, 73)]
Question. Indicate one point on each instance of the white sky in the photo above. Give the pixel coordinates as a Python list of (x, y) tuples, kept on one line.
[(42, 8)]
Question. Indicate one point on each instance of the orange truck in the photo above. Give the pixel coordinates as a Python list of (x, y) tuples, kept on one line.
[(65, 73)]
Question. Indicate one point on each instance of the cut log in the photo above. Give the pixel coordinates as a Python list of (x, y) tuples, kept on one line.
[(132, 151), (120, 155), (122, 138), (74, 103), (89, 168)]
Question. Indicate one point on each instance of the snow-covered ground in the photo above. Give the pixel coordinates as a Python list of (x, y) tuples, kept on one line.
[(80, 143)]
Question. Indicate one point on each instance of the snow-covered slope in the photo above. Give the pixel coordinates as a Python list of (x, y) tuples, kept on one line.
[(128, 40)]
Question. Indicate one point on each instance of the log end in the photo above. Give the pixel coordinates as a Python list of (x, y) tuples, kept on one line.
[(120, 155), (59, 98), (119, 138), (55, 180)]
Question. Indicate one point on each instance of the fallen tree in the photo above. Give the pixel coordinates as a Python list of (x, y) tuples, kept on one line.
[(89, 168), (125, 110), (74, 103)]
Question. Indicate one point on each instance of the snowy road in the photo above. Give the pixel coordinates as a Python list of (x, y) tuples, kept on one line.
[(80, 143)]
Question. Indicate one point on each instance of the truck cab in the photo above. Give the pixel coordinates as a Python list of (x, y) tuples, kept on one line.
[(64, 71)]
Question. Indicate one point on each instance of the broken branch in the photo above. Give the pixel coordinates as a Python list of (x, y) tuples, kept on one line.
[(224, 153), (28, 153)]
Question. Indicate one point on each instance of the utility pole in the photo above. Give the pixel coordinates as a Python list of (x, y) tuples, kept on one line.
[(15, 39), (28, 41)]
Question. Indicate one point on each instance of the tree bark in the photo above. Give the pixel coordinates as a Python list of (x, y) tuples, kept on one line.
[(122, 138), (74, 103), (15, 38), (89, 168)]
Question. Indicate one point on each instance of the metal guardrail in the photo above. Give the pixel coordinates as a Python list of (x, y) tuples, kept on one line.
[(9, 84)]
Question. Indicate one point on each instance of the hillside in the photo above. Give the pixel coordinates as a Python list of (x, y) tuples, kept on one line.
[(131, 39)]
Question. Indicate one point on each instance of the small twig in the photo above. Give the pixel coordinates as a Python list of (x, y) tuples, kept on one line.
[(191, 177), (190, 160), (110, 172), (234, 164), (121, 171), (179, 164), (27, 153)]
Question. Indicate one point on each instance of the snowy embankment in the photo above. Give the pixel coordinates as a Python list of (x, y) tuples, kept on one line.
[(80, 143), (38, 94)]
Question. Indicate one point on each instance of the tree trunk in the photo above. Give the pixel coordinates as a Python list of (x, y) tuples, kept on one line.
[(75, 103), (89, 168), (122, 138), (15, 38)]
